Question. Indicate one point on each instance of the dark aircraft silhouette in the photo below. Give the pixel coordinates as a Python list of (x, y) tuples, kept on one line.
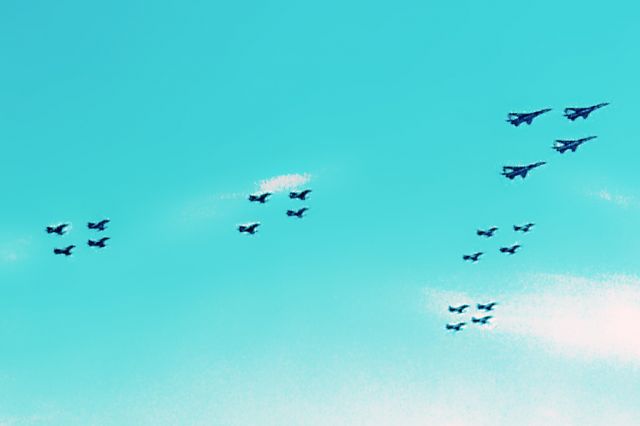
[(481, 321), (262, 198), (98, 226), (574, 113), (488, 307), (488, 233), (297, 213), (66, 251), (249, 228), (517, 118), (456, 327), (58, 229), (459, 309), (301, 195), (473, 257), (523, 228), (511, 172), (510, 250), (563, 145), (100, 243)]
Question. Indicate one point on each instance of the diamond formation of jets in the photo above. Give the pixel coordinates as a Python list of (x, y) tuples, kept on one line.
[(518, 118), (511, 172), (563, 145), (572, 113)]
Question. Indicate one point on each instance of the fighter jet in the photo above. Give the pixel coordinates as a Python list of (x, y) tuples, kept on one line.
[(573, 113), (510, 250), (511, 172), (523, 228), (563, 145), (517, 118), (481, 321), (262, 198), (488, 307), (100, 243), (98, 226), (456, 327), (488, 233), (251, 228), (58, 229), (458, 309), (473, 257), (297, 213), (302, 195), (66, 251)]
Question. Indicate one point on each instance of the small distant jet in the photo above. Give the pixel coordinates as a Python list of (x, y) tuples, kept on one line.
[(98, 226), (297, 213), (488, 233), (473, 257), (563, 145), (456, 327), (58, 229), (458, 309), (100, 243), (511, 172), (574, 113), (249, 228), (481, 321), (66, 251), (302, 195), (488, 307), (262, 198), (523, 228), (510, 250), (517, 118)]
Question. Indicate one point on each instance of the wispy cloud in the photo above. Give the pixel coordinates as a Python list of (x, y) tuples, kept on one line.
[(617, 199), (284, 182), (14, 251)]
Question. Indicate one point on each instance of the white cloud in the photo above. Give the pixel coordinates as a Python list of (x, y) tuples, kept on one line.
[(14, 251), (284, 182), (617, 199)]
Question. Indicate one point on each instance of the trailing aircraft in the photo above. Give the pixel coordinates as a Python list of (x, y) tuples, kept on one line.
[(297, 213), (251, 228), (510, 250), (481, 321), (517, 118), (523, 228), (262, 198), (100, 243), (302, 195), (576, 112), (563, 145), (511, 172), (66, 251), (58, 229), (488, 307), (488, 233), (98, 226), (456, 327), (458, 309), (473, 257)]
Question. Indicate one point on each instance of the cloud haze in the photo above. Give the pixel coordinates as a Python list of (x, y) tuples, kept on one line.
[(284, 182)]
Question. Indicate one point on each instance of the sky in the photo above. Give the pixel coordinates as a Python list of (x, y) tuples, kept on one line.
[(163, 116)]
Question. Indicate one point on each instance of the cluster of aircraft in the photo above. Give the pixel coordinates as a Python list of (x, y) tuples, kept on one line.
[(252, 228), (488, 233), (480, 321), (62, 228)]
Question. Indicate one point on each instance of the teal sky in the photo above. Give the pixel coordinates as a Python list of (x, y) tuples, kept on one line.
[(163, 116)]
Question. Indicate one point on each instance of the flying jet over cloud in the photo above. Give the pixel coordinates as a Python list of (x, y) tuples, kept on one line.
[(487, 307), (261, 198), (66, 251), (510, 250), (517, 118), (251, 228), (481, 321), (487, 233), (455, 327), (57, 229), (563, 145), (98, 226), (302, 195), (573, 113), (523, 228), (473, 257), (297, 213), (100, 243), (511, 172), (458, 309)]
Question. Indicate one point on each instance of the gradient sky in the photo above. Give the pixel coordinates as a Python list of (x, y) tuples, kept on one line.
[(164, 115)]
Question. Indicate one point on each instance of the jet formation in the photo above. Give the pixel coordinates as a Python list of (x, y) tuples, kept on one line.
[(61, 229), (460, 310), (252, 228)]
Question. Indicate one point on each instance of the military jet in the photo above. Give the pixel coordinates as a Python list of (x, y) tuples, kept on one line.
[(100, 243), (458, 309), (523, 228), (488, 307), (488, 233), (58, 229), (481, 321), (251, 228), (302, 195), (262, 198), (510, 250), (511, 172), (456, 327), (297, 213), (563, 145), (66, 251), (98, 226), (473, 257), (574, 113), (517, 118)]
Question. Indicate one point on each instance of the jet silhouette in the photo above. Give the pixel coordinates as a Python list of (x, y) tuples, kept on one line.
[(249, 228), (58, 229), (98, 226), (481, 321), (488, 307), (473, 257), (302, 195), (574, 113), (262, 198), (563, 145), (523, 228), (459, 309), (297, 213), (517, 118), (510, 250), (100, 243), (488, 233), (456, 327), (511, 172), (66, 251)]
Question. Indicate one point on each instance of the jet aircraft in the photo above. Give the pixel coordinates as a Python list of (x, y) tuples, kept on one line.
[(473, 257), (66, 251), (458, 309), (302, 195), (100, 243), (58, 229), (517, 118), (98, 226), (488, 233), (523, 228), (481, 321), (297, 213), (562, 145), (456, 327), (510, 250), (511, 172), (262, 198), (251, 228), (488, 307), (576, 112)]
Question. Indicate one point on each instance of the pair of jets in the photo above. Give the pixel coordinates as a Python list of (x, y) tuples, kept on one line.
[(480, 321), (101, 243), (572, 113), (252, 228), (61, 229), (473, 258), (262, 198), (491, 231)]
